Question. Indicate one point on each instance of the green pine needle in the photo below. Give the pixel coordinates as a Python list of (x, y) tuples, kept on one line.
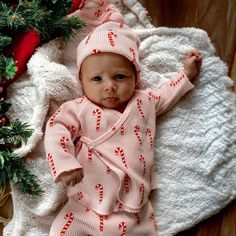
[(4, 41), (15, 134), (67, 27), (7, 68), (13, 169)]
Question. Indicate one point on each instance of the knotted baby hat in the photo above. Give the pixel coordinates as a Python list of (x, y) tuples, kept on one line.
[(111, 37)]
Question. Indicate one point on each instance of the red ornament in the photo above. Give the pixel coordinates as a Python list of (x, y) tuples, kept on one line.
[(4, 120)]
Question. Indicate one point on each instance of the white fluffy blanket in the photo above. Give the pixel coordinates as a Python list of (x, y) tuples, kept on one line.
[(195, 143)]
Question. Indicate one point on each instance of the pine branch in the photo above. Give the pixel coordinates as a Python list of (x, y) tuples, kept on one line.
[(10, 17), (14, 134), (13, 169), (67, 27), (58, 6), (4, 42)]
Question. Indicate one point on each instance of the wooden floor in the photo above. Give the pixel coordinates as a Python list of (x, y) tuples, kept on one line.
[(221, 224)]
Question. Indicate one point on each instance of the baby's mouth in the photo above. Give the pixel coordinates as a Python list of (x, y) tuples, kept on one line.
[(111, 99)]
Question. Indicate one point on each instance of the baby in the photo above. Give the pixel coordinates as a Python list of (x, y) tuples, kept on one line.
[(101, 145)]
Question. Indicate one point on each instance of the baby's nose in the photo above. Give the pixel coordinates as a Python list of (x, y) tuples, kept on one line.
[(110, 86)]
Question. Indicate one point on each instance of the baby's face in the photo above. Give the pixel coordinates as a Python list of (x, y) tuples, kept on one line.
[(108, 80)]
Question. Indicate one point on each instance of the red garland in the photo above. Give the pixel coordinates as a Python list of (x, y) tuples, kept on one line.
[(24, 45)]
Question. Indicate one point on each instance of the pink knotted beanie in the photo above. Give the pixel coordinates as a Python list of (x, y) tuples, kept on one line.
[(111, 37)]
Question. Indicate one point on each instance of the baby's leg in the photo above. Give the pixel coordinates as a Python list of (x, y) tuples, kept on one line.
[(72, 220), (76, 220)]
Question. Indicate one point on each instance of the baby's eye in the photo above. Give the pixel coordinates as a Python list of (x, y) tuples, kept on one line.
[(97, 78), (120, 76)]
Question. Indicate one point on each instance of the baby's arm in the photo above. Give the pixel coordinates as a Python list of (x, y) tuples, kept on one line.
[(170, 92), (192, 63), (61, 131)]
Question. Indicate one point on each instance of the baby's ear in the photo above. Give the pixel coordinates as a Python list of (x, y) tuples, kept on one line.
[(80, 77)]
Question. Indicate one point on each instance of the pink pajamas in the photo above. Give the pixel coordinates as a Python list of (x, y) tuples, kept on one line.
[(116, 152), (78, 220)]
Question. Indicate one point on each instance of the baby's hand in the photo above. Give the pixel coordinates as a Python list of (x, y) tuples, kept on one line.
[(192, 63), (70, 178)]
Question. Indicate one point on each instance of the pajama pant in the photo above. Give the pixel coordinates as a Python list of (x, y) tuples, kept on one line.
[(76, 220)]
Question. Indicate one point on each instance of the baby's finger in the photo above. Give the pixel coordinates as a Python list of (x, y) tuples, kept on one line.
[(193, 52)]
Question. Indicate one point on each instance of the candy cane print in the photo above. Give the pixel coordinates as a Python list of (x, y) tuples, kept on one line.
[(150, 96), (79, 195), (80, 100), (88, 38), (101, 224), (149, 135), (52, 119), (98, 13), (142, 190), (99, 154), (63, 141), (175, 82), (108, 10), (122, 227), (152, 217), (99, 187), (71, 129), (89, 155), (137, 217), (111, 35), (142, 161), (122, 129), (97, 112), (137, 133), (108, 170), (120, 152), (139, 104), (126, 183), (102, 218), (70, 217), (95, 51), (113, 128), (133, 55), (119, 205), (100, 3), (51, 161)]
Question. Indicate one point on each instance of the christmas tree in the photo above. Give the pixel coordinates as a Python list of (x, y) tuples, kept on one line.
[(24, 25)]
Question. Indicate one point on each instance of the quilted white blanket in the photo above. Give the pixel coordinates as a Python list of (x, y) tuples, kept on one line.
[(195, 144)]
